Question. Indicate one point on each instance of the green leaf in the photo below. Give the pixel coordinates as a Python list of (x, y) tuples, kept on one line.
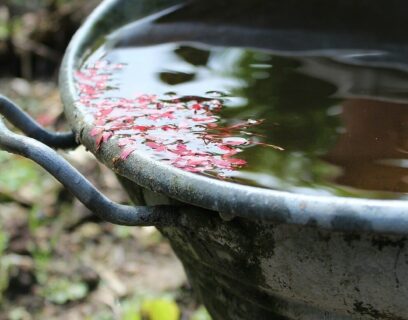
[(160, 309)]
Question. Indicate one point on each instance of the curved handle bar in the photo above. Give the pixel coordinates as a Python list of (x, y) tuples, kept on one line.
[(80, 187), (21, 120)]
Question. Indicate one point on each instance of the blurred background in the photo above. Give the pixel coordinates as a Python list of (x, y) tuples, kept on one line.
[(57, 261)]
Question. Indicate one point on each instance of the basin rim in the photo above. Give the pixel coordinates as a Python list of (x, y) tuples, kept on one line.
[(230, 199)]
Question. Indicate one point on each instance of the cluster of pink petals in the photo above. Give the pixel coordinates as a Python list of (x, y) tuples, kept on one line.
[(182, 132)]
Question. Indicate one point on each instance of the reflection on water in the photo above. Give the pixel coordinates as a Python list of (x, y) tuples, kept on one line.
[(372, 148), (343, 128)]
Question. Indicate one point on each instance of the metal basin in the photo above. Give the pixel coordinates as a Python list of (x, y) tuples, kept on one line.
[(252, 253)]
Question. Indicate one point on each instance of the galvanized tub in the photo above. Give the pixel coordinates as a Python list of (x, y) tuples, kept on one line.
[(252, 253)]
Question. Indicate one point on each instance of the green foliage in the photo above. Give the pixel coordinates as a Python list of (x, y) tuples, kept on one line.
[(17, 172), (18, 313), (61, 291), (3, 241), (131, 313), (103, 315), (123, 232), (35, 221), (4, 30), (160, 309)]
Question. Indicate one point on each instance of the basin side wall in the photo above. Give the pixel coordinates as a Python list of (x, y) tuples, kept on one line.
[(245, 269)]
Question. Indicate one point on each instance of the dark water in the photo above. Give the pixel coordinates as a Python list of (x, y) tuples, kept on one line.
[(343, 129)]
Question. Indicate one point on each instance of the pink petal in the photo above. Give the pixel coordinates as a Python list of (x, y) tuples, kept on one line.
[(126, 152), (95, 131)]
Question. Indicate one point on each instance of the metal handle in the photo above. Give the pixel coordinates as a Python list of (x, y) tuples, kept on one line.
[(70, 177), (21, 120)]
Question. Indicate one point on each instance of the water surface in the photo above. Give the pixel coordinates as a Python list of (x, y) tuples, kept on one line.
[(306, 124)]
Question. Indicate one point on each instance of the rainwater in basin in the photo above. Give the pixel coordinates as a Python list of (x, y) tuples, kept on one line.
[(305, 124), (192, 104)]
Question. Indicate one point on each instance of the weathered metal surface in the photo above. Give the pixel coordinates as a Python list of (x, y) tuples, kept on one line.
[(245, 269), (283, 256)]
